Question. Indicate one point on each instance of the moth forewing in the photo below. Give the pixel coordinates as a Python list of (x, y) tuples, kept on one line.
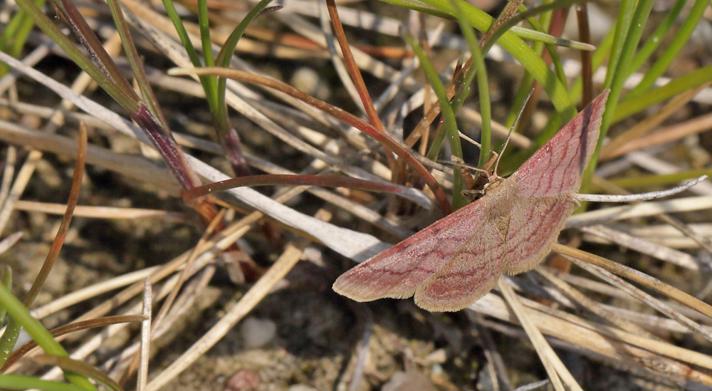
[(454, 261)]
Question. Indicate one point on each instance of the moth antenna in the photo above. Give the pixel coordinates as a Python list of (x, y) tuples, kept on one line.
[(504, 147), (511, 129), (640, 196)]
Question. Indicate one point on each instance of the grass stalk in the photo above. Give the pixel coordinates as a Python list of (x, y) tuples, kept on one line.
[(449, 120)]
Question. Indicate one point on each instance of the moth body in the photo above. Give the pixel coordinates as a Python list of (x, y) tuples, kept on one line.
[(457, 259)]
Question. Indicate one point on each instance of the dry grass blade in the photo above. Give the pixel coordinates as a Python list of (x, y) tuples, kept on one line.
[(640, 196), (133, 167), (665, 135), (185, 303), (168, 303), (668, 236), (257, 292), (353, 374), (7, 174), (66, 219), (705, 187), (95, 342), (649, 162), (360, 246), (584, 302), (611, 149), (611, 331), (644, 297), (387, 140), (209, 231), (9, 241), (99, 212), (76, 366), (248, 103), (32, 59), (607, 215), (658, 251), (636, 276), (352, 67), (620, 347), (91, 291), (142, 378), (323, 180), (207, 253), (494, 358), (336, 60), (532, 386), (82, 83), (556, 370), (60, 332)]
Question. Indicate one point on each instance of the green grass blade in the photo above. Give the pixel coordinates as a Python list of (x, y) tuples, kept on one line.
[(525, 85), (6, 280), (630, 105), (135, 60), (670, 54), (208, 60), (623, 22), (450, 122), (8, 339), (68, 11), (77, 55), (510, 42), (22, 382), (538, 36), (77, 366), (599, 56), (619, 75), (659, 180), (15, 35), (478, 64), (187, 44), (227, 51), (653, 40), (39, 334)]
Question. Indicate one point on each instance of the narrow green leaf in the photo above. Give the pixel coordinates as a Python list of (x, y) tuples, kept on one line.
[(681, 37), (226, 53), (450, 122), (510, 42), (623, 23), (135, 60), (619, 74), (208, 61), (38, 333), (76, 366), (630, 105), (77, 55), (478, 63), (187, 44), (653, 40), (22, 382)]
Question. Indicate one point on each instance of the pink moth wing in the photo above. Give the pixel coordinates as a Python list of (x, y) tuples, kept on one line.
[(451, 263)]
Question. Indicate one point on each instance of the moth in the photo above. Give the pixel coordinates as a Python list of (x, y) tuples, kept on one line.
[(451, 263)]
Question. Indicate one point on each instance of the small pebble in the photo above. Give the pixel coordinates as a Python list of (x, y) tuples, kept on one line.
[(301, 387), (256, 332), (309, 81), (406, 381), (243, 380)]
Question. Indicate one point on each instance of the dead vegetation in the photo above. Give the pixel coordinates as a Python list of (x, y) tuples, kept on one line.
[(153, 290)]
